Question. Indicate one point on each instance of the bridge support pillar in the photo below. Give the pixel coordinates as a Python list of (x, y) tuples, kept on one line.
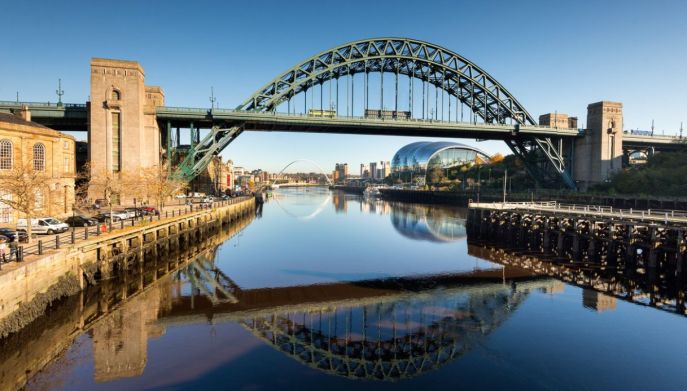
[(600, 152), (123, 132)]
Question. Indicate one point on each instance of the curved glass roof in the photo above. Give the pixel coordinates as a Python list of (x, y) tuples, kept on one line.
[(417, 155)]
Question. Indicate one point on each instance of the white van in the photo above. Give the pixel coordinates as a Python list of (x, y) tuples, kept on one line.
[(43, 225)]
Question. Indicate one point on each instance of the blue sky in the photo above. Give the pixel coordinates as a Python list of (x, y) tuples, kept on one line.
[(552, 55)]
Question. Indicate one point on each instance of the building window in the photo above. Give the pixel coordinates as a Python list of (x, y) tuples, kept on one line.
[(116, 141), (66, 144), (39, 157), (116, 95), (67, 166), (5, 210), (6, 155), (38, 200)]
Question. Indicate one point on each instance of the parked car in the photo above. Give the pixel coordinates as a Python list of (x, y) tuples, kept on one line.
[(180, 196), (14, 234), (207, 200), (43, 225), (80, 221), (124, 214), (105, 217), (137, 212), (149, 210)]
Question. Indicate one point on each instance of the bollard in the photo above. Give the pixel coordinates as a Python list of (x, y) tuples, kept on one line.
[(20, 254), (57, 241), (121, 223), (166, 214), (40, 247), (85, 233), (73, 236)]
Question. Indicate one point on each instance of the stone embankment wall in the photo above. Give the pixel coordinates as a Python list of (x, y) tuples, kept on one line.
[(26, 291)]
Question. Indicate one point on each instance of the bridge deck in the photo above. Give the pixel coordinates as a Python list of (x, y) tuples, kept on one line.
[(183, 117)]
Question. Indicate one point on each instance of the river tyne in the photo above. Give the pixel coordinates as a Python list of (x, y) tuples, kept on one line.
[(326, 290)]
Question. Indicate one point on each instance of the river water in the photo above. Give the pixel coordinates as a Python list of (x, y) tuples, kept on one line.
[(327, 290)]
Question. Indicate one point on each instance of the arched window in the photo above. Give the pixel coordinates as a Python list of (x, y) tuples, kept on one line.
[(39, 157), (6, 155), (116, 94)]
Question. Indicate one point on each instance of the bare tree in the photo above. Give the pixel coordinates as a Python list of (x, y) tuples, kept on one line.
[(23, 186), (106, 184), (159, 185)]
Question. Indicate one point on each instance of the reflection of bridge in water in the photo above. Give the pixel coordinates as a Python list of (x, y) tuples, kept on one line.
[(376, 329)]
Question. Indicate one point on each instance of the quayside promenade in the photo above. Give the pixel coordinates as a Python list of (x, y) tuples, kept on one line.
[(24, 353), (27, 288)]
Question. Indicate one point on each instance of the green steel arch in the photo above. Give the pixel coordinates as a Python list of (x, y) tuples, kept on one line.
[(421, 60), (433, 64)]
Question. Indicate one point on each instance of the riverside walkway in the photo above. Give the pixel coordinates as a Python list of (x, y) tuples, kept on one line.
[(75, 235), (29, 286)]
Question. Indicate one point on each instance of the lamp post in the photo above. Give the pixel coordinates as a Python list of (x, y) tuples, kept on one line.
[(59, 92), (505, 180)]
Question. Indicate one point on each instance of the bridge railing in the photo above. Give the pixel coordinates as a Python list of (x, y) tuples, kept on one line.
[(41, 104), (179, 109), (656, 215)]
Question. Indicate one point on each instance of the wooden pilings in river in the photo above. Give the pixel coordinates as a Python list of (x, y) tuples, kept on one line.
[(128, 249), (623, 243)]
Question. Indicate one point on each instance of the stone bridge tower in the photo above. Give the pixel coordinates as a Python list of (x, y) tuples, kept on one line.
[(600, 152), (123, 131)]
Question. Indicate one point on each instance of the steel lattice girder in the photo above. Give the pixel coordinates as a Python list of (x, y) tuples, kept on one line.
[(430, 63)]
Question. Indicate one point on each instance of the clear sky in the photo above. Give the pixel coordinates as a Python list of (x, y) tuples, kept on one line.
[(552, 55)]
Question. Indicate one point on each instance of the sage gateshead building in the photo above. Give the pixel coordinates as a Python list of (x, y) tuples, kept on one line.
[(415, 161)]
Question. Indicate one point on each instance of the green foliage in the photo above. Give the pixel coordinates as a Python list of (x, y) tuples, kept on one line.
[(665, 174), (491, 174)]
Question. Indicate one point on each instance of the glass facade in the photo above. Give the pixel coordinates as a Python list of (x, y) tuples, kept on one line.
[(420, 158)]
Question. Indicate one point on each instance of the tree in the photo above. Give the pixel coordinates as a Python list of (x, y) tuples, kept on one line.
[(23, 187), (159, 186), (106, 184), (436, 174)]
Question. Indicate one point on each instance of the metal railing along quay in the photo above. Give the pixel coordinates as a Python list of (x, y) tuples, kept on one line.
[(606, 212), (77, 234)]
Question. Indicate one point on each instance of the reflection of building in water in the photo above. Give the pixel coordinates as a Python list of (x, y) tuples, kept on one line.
[(120, 341), (555, 287), (339, 201), (597, 301), (428, 222)]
